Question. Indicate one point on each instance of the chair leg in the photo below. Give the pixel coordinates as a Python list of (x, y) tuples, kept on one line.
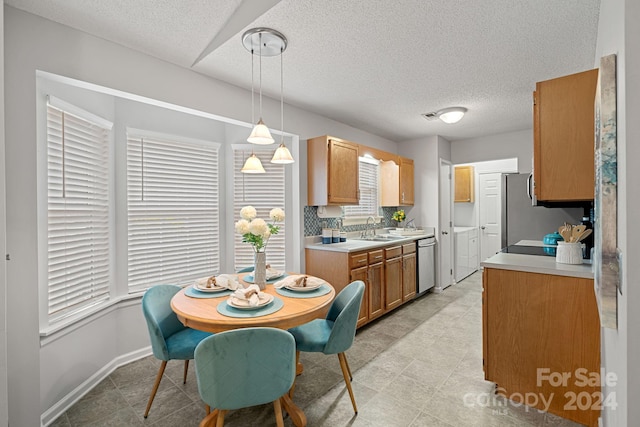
[(345, 373), (210, 420), (221, 415), (348, 368), (298, 372), (277, 408), (155, 387), (186, 368)]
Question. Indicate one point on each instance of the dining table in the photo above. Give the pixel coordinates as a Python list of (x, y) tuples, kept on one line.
[(210, 312)]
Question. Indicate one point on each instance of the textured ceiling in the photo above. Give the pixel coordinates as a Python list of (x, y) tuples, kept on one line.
[(373, 64)]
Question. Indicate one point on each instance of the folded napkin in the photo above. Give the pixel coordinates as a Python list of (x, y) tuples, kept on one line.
[(298, 281), (272, 273), (229, 281), (250, 293)]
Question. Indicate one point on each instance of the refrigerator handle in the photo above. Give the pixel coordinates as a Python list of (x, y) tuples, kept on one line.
[(530, 193)]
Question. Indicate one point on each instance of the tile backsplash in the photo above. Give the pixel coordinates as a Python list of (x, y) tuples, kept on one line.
[(313, 224)]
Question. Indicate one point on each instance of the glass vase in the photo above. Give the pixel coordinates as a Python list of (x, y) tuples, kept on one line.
[(260, 270)]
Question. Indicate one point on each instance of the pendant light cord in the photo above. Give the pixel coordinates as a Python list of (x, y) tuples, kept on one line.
[(260, 39), (253, 103), (281, 98)]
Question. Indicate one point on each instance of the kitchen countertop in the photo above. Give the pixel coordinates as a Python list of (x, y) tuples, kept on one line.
[(354, 245), (536, 263)]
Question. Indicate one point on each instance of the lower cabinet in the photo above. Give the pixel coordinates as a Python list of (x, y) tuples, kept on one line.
[(389, 274), (541, 337), (409, 269), (466, 252)]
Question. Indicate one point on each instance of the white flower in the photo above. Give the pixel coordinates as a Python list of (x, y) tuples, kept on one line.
[(267, 234), (248, 213), (276, 214), (258, 227), (242, 226)]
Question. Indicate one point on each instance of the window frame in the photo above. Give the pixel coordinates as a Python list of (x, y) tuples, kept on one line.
[(362, 219)]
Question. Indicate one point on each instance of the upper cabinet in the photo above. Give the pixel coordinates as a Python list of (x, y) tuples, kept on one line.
[(332, 172), (397, 182), (465, 189), (563, 135)]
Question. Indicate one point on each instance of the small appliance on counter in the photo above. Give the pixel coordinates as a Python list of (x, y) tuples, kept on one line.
[(552, 239)]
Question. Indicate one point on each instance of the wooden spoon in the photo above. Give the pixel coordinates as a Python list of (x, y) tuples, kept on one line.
[(576, 231), (565, 232), (584, 234)]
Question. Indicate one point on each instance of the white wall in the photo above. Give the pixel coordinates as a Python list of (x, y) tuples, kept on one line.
[(495, 147), (32, 43), (467, 214), (618, 30), (4, 410)]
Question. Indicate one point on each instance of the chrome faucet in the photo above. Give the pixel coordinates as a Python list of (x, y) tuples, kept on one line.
[(373, 223)]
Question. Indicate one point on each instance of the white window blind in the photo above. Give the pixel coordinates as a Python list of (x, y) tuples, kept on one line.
[(368, 184), (78, 212), (173, 209), (264, 192)]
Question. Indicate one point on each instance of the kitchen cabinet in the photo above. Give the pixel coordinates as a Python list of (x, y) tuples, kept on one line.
[(397, 180), (563, 132), (332, 172), (393, 277), (409, 268), (464, 184), (389, 274), (533, 321), (466, 251)]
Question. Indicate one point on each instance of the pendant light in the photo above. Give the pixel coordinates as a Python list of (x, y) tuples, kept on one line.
[(265, 42), (282, 155)]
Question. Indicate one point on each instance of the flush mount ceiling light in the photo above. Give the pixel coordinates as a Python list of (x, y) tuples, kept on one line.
[(447, 115)]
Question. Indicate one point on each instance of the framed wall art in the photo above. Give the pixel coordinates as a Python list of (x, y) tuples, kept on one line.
[(606, 261)]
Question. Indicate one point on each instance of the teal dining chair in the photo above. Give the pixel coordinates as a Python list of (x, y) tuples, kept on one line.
[(335, 333), (245, 367), (170, 339)]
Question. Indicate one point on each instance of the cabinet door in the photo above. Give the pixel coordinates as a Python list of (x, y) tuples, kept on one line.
[(406, 182), (343, 172), (361, 274), (408, 276), (393, 282), (376, 290), (464, 186), (462, 254), (563, 154)]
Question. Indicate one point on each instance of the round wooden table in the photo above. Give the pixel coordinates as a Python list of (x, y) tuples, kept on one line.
[(202, 314)]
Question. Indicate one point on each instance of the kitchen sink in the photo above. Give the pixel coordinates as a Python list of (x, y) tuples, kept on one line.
[(380, 238)]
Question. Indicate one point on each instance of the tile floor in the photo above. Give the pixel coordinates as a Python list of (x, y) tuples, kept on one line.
[(418, 366)]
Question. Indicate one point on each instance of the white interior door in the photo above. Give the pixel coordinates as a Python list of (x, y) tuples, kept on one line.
[(490, 200), (445, 239)]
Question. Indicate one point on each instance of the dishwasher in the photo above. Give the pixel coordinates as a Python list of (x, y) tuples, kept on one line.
[(426, 264)]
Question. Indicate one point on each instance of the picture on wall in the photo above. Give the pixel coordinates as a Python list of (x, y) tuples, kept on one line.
[(606, 263)]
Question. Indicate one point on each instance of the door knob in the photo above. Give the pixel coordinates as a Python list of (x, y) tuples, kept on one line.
[(483, 227), (445, 232)]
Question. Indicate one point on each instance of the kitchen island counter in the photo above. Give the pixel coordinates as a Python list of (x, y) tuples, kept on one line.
[(537, 264)]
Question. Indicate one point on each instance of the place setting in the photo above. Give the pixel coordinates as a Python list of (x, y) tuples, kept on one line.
[(272, 276), (249, 302), (302, 286), (213, 286)]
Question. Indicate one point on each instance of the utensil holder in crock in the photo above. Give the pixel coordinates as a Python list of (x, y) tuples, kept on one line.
[(569, 253)]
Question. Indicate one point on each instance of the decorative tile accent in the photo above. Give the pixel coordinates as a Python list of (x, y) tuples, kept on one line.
[(313, 224)]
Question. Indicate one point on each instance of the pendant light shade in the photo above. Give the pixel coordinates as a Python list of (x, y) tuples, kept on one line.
[(260, 134), (252, 165), (282, 156)]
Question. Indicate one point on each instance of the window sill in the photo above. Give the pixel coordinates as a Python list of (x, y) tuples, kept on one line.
[(78, 320), (357, 220)]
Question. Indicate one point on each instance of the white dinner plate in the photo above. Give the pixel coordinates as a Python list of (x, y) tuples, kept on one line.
[(203, 288), (241, 304), (310, 287)]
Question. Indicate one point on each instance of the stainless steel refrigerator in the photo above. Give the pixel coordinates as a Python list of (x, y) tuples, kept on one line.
[(523, 221)]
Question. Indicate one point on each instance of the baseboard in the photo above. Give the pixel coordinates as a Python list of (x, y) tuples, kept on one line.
[(59, 408)]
